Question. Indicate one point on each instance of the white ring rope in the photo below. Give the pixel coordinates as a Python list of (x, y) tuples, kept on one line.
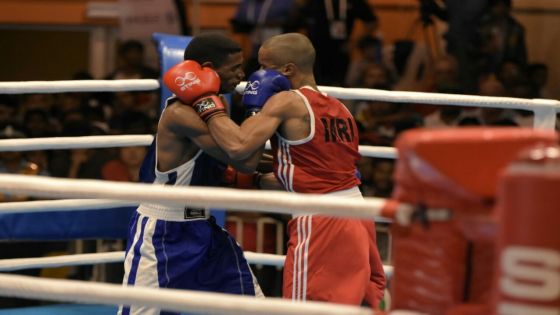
[(88, 142), (78, 86), (14, 264), (439, 98), (545, 110), (338, 92), (71, 205), (172, 300), (378, 152), (222, 198), (62, 205), (85, 142)]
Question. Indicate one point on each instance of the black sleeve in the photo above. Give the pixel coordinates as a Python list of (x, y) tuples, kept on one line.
[(363, 11), (239, 26), (298, 16)]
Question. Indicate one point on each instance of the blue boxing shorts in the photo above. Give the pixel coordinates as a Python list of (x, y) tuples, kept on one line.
[(196, 254)]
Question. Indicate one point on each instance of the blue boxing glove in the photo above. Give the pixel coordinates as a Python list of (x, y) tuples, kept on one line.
[(261, 86)]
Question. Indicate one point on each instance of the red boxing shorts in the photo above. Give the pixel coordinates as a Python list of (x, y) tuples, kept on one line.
[(333, 259)]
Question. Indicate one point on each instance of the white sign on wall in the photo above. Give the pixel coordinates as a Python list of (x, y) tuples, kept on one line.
[(139, 19)]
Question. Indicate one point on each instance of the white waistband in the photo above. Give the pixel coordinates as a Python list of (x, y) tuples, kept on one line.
[(353, 192), (166, 213)]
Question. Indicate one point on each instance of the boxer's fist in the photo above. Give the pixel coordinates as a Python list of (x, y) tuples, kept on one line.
[(196, 86), (261, 86), (189, 81)]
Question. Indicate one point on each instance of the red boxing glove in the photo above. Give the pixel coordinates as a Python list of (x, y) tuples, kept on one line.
[(196, 86), (234, 178)]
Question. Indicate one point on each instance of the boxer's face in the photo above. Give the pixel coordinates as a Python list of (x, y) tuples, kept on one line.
[(231, 72)]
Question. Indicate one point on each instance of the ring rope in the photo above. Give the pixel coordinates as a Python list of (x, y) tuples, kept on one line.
[(23, 87), (169, 299), (62, 205), (338, 92), (545, 109), (85, 142), (111, 141), (439, 98), (14, 264), (378, 152), (223, 198)]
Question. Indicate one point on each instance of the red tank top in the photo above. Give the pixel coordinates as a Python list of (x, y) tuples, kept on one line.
[(324, 161)]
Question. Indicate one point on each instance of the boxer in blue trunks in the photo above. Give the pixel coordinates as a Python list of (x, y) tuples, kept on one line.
[(183, 247)]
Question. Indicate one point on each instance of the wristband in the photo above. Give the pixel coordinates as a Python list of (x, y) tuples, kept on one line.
[(209, 106)]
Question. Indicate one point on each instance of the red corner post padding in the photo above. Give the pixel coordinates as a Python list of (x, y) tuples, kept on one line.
[(528, 277), (446, 267)]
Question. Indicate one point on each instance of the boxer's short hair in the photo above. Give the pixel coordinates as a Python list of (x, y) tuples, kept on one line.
[(211, 47)]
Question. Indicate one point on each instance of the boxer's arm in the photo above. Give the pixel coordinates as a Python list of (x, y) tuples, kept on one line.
[(240, 142), (184, 122)]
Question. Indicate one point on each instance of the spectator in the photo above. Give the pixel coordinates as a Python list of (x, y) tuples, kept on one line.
[(37, 123), (78, 163), (490, 86), (373, 76), (44, 102), (260, 20), (447, 116), (377, 177), (131, 66), (370, 55), (502, 38), (510, 74), (446, 79), (408, 62), (126, 167), (8, 111), (329, 25), (131, 63), (14, 162), (383, 121), (132, 122), (538, 74), (446, 75), (41, 158), (462, 18), (382, 178), (125, 101)]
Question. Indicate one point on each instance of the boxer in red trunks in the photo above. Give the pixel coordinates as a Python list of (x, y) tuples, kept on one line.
[(315, 145)]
